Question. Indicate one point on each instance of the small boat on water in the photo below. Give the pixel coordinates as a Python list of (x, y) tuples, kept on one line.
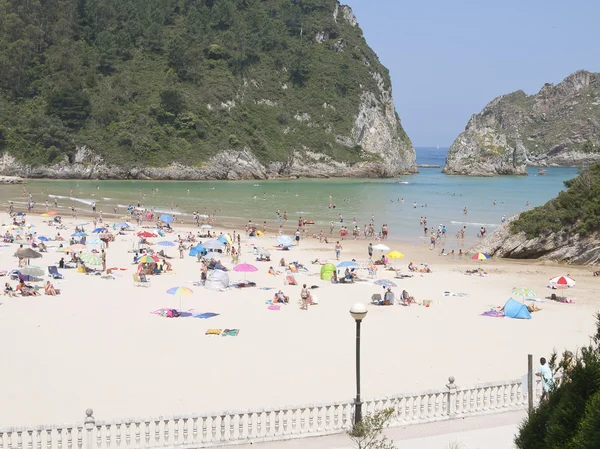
[(542, 172)]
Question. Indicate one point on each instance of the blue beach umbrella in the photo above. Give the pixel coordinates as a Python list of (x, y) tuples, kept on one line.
[(385, 283), (78, 234), (223, 240), (166, 218), (98, 230), (284, 240), (41, 238), (166, 243), (347, 264)]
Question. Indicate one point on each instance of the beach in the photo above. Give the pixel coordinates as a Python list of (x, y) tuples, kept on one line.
[(97, 344)]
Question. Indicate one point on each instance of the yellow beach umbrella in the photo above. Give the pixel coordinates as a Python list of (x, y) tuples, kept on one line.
[(395, 255)]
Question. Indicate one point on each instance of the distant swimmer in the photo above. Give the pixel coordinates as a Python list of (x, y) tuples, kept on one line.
[(494, 202), (415, 205), (503, 218), (465, 211)]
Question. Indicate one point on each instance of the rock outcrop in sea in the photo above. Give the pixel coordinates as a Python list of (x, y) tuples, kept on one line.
[(560, 125)]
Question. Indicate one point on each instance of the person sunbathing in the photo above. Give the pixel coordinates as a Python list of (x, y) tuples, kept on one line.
[(26, 290), (273, 272), (407, 299), (8, 290), (411, 267), (425, 269), (281, 298), (49, 289)]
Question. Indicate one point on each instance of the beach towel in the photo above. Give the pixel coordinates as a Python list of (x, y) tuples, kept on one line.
[(205, 315), (535, 299), (230, 333), (493, 313), (171, 313), (455, 294), (274, 307), (213, 332)]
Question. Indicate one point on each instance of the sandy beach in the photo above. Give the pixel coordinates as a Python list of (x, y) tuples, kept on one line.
[(98, 345)]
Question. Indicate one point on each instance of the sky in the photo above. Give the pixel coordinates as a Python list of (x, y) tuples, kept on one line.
[(448, 59)]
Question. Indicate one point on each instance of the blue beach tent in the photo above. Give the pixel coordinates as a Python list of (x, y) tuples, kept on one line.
[(198, 249), (516, 309)]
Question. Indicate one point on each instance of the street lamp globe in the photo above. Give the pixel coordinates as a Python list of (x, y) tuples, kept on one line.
[(358, 311)]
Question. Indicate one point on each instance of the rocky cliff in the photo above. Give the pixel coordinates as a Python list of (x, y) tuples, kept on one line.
[(560, 125), (187, 89), (566, 228)]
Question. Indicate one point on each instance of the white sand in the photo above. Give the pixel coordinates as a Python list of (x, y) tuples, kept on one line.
[(97, 345)]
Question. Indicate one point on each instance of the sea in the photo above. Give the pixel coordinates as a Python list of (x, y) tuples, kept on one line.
[(398, 202)]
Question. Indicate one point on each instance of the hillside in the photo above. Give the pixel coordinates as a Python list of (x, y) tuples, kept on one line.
[(566, 228), (560, 125), (193, 89)]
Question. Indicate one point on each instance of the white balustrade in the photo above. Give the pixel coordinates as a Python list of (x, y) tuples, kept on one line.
[(214, 429)]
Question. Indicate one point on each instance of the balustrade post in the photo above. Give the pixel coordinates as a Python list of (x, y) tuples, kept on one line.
[(451, 386), (89, 425)]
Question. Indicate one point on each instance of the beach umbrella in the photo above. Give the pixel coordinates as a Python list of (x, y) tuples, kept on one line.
[(98, 230), (64, 249), (206, 226), (284, 240), (77, 247), (166, 218), (381, 247), (395, 255), (166, 243), (78, 234), (27, 253), (91, 258), (385, 283), (523, 292), (32, 271), (180, 291), (347, 264), (481, 256), (213, 244), (244, 268), (146, 259), (41, 238), (562, 282), (223, 240)]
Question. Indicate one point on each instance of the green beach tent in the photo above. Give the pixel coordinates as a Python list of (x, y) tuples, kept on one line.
[(327, 271)]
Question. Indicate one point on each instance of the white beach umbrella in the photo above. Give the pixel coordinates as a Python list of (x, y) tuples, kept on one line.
[(381, 247)]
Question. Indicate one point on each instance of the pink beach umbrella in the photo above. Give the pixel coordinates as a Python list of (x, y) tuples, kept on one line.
[(245, 268)]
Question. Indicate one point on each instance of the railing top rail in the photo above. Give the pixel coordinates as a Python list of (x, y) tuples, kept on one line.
[(490, 384)]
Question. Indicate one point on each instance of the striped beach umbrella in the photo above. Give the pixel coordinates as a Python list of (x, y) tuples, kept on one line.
[(146, 258), (179, 291), (481, 256), (523, 292), (91, 258), (562, 282)]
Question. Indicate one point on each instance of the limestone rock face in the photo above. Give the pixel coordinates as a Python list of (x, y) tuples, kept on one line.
[(560, 125), (564, 246)]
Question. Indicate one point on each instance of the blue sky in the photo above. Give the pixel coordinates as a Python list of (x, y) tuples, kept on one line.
[(448, 59)]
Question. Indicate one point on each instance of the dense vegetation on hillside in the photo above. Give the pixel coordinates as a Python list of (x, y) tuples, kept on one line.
[(571, 417), (578, 208), (157, 81)]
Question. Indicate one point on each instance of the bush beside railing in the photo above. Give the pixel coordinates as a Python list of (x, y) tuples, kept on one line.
[(238, 427)]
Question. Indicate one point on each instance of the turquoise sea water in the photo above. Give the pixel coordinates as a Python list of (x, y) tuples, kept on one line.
[(439, 197)]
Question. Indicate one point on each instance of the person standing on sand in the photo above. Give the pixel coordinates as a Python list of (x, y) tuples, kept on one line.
[(297, 236), (545, 373), (103, 260), (304, 296), (181, 248), (370, 250), (338, 250)]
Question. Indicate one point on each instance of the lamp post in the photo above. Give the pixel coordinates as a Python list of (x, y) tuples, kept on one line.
[(358, 312)]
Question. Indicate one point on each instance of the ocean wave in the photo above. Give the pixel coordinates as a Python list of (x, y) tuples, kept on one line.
[(473, 224)]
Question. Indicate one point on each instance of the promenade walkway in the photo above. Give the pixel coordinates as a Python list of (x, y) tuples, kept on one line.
[(495, 431)]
